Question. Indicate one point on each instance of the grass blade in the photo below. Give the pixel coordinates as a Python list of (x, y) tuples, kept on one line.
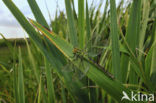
[(32, 61), (63, 95), (59, 43), (37, 13), (132, 39), (39, 91), (50, 86), (71, 24), (146, 10), (115, 41), (81, 22), (20, 80), (15, 84), (88, 28), (153, 64)]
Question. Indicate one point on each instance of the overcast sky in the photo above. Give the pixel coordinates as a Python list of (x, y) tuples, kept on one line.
[(10, 28)]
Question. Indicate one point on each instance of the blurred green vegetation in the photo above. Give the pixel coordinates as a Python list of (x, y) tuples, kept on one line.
[(6, 52)]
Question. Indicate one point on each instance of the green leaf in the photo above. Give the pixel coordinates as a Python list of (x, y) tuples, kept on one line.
[(81, 22), (63, 95), (15, 80), (20, 80), (115, 41), (71, 24), (153, 64), (148, 62), (132, 35), (145, 18), (37, 13), (88, 27), (60, 44), (50, 85), (39, 91), (33, 62)]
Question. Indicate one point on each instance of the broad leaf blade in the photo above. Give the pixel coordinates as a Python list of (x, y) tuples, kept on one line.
[(61, 44)]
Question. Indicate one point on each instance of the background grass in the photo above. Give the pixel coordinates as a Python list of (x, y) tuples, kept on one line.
[(5, 51)]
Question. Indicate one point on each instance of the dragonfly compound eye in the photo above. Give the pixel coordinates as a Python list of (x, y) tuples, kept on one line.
[(76, 50)]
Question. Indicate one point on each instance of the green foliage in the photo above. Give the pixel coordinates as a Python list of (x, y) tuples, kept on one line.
[(73, 62), (115, 41), (81, 24), (21, 94)]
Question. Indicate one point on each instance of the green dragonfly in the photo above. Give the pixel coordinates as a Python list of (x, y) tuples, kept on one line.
[(82, 56)]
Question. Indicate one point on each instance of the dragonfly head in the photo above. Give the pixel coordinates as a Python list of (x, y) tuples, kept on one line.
[(76, 50)]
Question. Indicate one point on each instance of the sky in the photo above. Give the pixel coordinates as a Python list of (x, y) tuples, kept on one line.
[(9, 26)]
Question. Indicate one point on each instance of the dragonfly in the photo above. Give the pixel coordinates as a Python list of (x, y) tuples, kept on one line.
[(79, 54), (75, 65)]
